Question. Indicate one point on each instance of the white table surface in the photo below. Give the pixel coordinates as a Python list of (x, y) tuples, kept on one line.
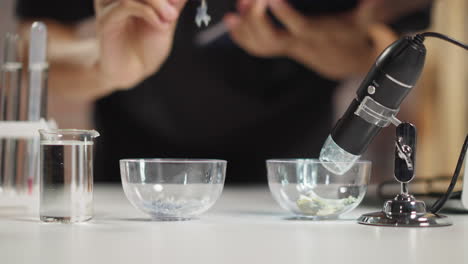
[(245, 226)]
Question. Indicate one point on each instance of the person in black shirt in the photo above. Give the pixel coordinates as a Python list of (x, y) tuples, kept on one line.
[(263, 93)]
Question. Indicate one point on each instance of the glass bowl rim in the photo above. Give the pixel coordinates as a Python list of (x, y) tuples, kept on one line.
[(173, 161), (313, 161)]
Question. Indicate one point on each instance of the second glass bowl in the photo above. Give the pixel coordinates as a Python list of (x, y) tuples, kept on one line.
[(308, 189), (172, 189)]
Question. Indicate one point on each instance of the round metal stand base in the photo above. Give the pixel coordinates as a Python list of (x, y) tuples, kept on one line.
[(408, 220)]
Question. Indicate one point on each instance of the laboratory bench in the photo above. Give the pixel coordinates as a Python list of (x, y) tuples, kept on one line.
[(245, 226)]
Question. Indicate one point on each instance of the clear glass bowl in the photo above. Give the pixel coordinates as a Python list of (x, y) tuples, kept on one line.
[(172, 189), (306, 188)]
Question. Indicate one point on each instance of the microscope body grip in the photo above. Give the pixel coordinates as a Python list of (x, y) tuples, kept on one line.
[(352, 133), (387, 84)]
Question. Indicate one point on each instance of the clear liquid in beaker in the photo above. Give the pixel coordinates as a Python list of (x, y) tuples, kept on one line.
[(66, 181)]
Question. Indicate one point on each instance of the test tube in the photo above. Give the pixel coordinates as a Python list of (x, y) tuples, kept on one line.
[(37, 95), (38, 68), (10, 101)]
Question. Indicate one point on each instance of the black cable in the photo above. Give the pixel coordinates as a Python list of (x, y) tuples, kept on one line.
[(440, 203), (421, 37)]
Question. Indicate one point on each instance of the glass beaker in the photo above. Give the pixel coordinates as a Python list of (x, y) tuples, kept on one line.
[(66, 178)]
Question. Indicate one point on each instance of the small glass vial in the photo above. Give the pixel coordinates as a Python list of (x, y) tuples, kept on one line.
[(66, 175)]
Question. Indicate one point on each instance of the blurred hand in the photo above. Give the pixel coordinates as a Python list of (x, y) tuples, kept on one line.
[(135, 38), (335, 46)]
